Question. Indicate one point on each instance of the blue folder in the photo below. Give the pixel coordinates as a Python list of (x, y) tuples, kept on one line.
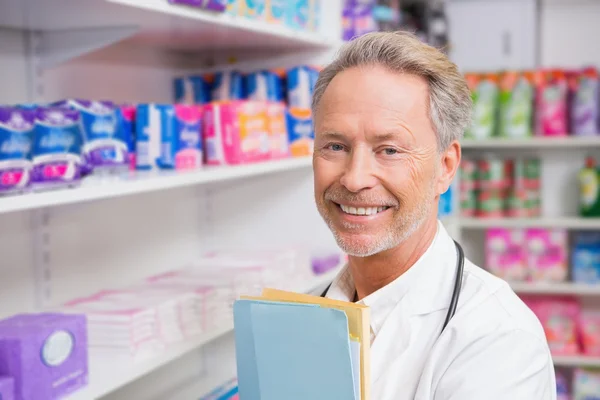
[(292, 351)]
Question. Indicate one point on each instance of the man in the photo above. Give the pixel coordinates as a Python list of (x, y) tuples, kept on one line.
[(388, 113)]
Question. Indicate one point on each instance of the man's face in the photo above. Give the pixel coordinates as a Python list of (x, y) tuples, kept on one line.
[(376, 160)]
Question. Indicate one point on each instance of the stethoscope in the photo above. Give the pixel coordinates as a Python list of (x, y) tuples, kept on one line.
[(460, 265)]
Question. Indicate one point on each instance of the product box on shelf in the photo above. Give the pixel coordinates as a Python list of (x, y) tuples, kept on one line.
[(484, 92), (301, 82), (546, 251), (168, 137), (192, 90), (16, 138), (551, 103), (590, 332), (504, 253), (236, 132), (516, 105), (7, 388), (277, 10), (104, 147), (126, 122), (586, 384), (57, 148), (46, 354), (265, 85), (278, 136), (585, 258), (226, 85), (584, 102), (300, 130), (254, 9)]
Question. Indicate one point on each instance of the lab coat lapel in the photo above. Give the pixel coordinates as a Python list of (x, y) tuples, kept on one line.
[(430, 291)]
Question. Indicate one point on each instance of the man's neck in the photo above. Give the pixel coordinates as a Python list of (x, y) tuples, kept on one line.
[(374, 272)]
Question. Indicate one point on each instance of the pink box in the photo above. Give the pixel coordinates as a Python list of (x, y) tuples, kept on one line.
[(236, 132), (504, 255), (546, 251), (278, 135)]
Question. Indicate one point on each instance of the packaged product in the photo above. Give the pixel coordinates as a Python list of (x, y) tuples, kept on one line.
[(504, 253), (584, 94), (16, 138), (590, 332), (546, 251), (484, 93), (551, 103), (516, 105), (586, 384), (585, 258)]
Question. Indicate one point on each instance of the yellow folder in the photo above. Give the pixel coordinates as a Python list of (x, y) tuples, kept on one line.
[(359, 326)]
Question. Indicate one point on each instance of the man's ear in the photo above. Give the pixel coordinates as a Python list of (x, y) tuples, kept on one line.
[(449, 163)]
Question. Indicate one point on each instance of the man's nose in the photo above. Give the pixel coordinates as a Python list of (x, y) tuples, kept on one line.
[(359, 173)]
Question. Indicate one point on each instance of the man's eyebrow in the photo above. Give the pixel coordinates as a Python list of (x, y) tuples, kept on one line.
[(333, 135)]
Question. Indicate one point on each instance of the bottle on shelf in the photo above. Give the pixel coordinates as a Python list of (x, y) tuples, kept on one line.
[(589, 189)]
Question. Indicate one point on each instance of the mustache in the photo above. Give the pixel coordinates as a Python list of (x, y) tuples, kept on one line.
[(341, 196)]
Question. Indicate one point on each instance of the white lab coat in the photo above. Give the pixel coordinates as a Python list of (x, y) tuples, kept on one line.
[(493, 349)]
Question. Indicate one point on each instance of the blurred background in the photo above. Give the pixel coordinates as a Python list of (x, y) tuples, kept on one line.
[(155, 164)]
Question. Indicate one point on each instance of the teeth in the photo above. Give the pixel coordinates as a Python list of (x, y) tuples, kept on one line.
[(362, 210)]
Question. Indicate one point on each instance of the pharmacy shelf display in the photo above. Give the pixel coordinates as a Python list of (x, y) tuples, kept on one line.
[(573, 223), (136, 183), (546, 143), (106, 377)]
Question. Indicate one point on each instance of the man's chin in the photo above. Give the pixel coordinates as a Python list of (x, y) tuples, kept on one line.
[(361, 245)]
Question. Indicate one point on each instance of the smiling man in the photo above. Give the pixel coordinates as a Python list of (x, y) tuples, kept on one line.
[(388, 113)]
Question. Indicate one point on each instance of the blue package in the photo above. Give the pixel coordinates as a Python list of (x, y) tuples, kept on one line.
[(103, 147), (57, 148), (16, 136), (300, 83), (126, 126), (585, 257), (264, 86), (168, 137), (227, 85), (192, 90), (298, 15), (445, 204)]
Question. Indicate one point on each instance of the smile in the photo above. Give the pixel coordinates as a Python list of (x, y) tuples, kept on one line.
[(350, 210)]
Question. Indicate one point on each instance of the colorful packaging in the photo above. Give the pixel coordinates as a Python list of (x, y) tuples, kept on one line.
[(278, 136), (300, 132), (348, 20), (562, 386), (192, 90), (300, 86), (490, 203), (7, 388), (185, 152), (492, 173), (468, 202), (551, 103), (16, 137), (103, 148), (504, 255), (276, 11), (468, 185), (547, 254), (255, 9), (590, 332), (57, 148), (445, 204), (484, 92), (264, 86), (585, 258), (523, 193), (584, 89), (213, 5), (232, 7), (236, 132), (226, 85), (586, 384), (46, 354), (589, 189), (559, 316), (363, 20), (154, 125), (126, 125), (516, 105)]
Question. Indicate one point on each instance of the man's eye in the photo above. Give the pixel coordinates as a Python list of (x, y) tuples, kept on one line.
[(336, 147), (390, 152)]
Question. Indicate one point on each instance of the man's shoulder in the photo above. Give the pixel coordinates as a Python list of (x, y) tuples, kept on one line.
[(489, 306)]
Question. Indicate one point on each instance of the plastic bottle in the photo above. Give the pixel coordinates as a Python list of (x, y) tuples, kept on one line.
[(589, 186)]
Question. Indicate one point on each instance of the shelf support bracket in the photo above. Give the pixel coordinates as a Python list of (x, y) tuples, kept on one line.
[(56, 47)]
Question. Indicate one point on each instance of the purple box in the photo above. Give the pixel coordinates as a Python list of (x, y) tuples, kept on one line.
[(7, 388), (46, 354), (214, 5)]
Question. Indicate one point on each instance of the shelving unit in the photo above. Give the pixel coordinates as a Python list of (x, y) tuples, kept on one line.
[(574, 223), (139, 183), (576, 361), (534, 143), (106, 376), (563, 288)]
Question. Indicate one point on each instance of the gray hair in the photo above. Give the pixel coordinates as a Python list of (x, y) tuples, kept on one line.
[(449, 96)]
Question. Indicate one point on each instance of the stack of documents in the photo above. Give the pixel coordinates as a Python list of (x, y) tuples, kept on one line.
[(296, 347)]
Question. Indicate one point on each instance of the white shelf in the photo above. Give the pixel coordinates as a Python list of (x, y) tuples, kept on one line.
[(533, 143), (574, 223), (157, 23), (137, 183), (565, 288), (107, 376), (576, 361)]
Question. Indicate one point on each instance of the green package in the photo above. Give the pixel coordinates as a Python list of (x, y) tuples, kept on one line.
[(516, 106)]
